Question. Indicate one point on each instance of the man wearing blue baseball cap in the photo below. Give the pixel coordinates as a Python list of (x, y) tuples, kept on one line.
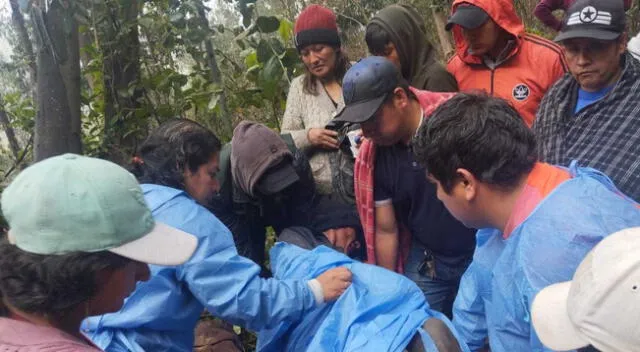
[(406, 227)]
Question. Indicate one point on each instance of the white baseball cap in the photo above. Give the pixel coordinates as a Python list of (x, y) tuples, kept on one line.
[(601, 305)]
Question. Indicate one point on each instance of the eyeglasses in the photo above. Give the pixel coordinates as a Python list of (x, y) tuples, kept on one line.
[(590, 48)]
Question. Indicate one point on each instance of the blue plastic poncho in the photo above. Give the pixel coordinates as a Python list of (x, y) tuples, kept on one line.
[(162, 313), (498, 288), (380, 311)]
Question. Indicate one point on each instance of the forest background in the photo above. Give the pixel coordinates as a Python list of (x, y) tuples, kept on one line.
[(94, 76)]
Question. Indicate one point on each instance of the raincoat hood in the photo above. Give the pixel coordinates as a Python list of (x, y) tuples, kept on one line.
[(255, 149), (502, 13), (407, 31)]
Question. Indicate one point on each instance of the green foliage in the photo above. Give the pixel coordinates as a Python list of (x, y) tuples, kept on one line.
[(20, 110), (271, 62)]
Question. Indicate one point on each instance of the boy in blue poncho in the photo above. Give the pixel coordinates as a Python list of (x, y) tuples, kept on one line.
[(536, 221)]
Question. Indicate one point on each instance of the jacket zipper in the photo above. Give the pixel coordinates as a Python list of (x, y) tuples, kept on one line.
[(492, 76)]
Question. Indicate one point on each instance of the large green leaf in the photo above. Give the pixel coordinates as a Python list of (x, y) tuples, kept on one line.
[(272, 70), (277, 46), (285, 30), (290, 58), (251, 59), (270, 76), (264, 51), (268, 24)]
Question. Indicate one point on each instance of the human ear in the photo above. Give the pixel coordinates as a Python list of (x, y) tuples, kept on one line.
[(400, 97), (622, 43), (469, 182)]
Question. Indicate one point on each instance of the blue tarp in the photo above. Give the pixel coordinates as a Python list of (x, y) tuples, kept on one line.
[(381, 311)]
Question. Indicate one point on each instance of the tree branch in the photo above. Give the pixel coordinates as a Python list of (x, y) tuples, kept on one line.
[(26, 47), (19, 161), (8, 130), (349, 18)]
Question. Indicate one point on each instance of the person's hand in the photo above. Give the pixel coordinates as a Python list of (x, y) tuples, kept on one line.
[(341, 238), (334, 282), (323, 138), (355, 140)]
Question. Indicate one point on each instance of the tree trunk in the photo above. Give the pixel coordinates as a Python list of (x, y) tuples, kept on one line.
[(70, 71), (224, 117), (54, 128), (25, 47), (443, 35), (8, 130), (121, 66)]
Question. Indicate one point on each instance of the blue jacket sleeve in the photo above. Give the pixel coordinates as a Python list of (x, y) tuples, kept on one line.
[(469, 311), (229, 286)]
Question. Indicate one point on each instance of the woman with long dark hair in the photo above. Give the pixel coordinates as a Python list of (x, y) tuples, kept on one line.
[(177, 166), (80, 235), (315, 96)]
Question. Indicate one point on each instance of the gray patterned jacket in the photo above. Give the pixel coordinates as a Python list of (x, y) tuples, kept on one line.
[(305, 111), (604, 135)]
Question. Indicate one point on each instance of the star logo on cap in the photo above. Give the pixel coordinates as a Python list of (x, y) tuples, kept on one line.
[(588, 14)]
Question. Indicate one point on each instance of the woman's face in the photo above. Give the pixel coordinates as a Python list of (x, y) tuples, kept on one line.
[(320, 59), (203, 184), (116, 285)]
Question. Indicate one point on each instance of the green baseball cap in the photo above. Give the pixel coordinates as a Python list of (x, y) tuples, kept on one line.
[(72, 203)]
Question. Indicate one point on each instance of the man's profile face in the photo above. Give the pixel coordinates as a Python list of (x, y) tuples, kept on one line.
[(595, 64), (481, 40), (456, 202), (386, 126), (391, 53)]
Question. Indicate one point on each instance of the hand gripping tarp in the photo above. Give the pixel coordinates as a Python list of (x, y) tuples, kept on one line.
[(380, 311)]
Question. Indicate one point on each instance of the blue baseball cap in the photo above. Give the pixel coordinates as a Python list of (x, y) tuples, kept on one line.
[(366, 86)]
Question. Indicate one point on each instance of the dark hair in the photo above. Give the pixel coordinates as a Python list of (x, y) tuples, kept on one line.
[(172, 148), (482, 134), (340, 69), (50, 284), (377, 39)]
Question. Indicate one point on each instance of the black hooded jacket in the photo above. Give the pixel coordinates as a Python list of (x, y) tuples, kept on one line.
[(419, 60)]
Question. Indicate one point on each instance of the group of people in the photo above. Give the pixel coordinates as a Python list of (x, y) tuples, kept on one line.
[(489, 203)]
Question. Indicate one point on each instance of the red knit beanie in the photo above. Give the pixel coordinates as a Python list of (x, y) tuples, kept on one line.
[(316, 25)]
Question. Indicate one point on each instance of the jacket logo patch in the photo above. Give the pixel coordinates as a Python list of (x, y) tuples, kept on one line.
[(590, 14), (521, 92)]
